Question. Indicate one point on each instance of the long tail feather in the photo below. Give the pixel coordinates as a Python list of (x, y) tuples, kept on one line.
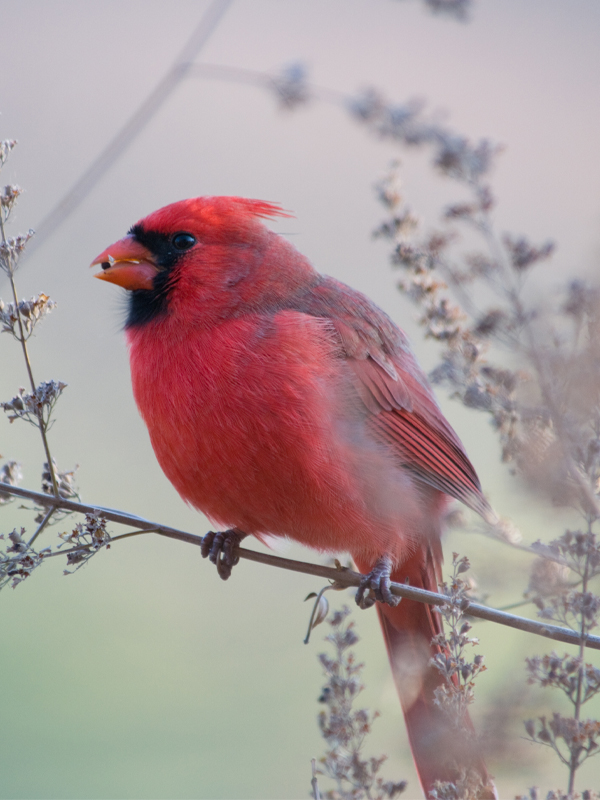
[(440, 749)]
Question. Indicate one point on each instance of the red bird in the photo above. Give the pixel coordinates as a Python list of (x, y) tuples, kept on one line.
[(282, 402)]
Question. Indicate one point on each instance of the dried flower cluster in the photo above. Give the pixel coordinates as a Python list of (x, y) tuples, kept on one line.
[(465, 331), (579, 553), (19, 560), (10, 247), (454, 155), (572, 738), (19, 318), (10, 475), (457, 692), (534, 794), (86, 539), (8, 197), (343, 728), (35, 407), (67, 488), (10, 250), (467, 786), (23, 316), (459, 9), (6, 145), (546, 577), (291, 86), (562, 672)]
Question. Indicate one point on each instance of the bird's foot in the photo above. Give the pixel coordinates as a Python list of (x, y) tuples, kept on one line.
[(375, 587), (222, 549)]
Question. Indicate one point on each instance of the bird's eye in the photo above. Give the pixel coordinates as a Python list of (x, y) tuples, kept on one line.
[(183, 241)]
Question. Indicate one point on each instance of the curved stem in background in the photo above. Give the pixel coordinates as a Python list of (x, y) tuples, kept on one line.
[(134, 125)]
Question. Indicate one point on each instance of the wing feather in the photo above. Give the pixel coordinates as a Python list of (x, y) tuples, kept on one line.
[(402, 411), (418, 433)]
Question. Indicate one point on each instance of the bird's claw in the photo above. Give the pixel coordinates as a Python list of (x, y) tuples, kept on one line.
[(375, 587), (222, 550)]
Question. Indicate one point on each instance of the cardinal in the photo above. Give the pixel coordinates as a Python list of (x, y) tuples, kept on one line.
[(281, 402)]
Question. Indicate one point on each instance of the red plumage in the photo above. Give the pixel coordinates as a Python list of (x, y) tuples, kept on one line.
[(282, 402)]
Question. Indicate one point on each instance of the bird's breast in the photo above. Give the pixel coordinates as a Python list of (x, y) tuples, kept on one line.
[(253, 424)]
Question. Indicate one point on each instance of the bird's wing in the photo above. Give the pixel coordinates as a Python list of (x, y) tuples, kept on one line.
[(402, 410), (420, 436)]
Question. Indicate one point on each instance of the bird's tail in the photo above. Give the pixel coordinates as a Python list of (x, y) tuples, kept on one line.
[(441, 750)]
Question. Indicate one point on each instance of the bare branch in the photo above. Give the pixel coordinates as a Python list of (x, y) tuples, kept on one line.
[(341, 576)]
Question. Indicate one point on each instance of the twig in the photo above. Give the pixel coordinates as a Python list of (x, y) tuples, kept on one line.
[(82, 548), (313, 783), (23, 341), (41, 526), (342, 577), (252, 77)]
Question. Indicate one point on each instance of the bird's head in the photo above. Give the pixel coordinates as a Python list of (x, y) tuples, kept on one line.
[(205, 257)]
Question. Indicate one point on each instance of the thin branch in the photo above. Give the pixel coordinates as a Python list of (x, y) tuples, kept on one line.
[(314, 784), (132, 533), (41, 423), (41, 526), (252, 77), (341, 577), (23, 341), (87, 548)]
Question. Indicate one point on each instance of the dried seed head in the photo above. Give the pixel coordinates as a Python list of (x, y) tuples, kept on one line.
[(459, 9), (11, 249), (67, 487), (291, 86), (24, 316), (522, 254), (463, 161), (547, 578), (87, 538), (343, 727), (35, 407), (8, 197), (5, 147), (10, 475)]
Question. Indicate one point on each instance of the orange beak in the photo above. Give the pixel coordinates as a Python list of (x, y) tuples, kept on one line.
[(128, 264)]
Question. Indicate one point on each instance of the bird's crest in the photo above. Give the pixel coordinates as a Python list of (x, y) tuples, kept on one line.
[(212, 217)]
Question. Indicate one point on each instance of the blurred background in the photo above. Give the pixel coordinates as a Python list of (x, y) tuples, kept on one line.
[(143, 675)]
